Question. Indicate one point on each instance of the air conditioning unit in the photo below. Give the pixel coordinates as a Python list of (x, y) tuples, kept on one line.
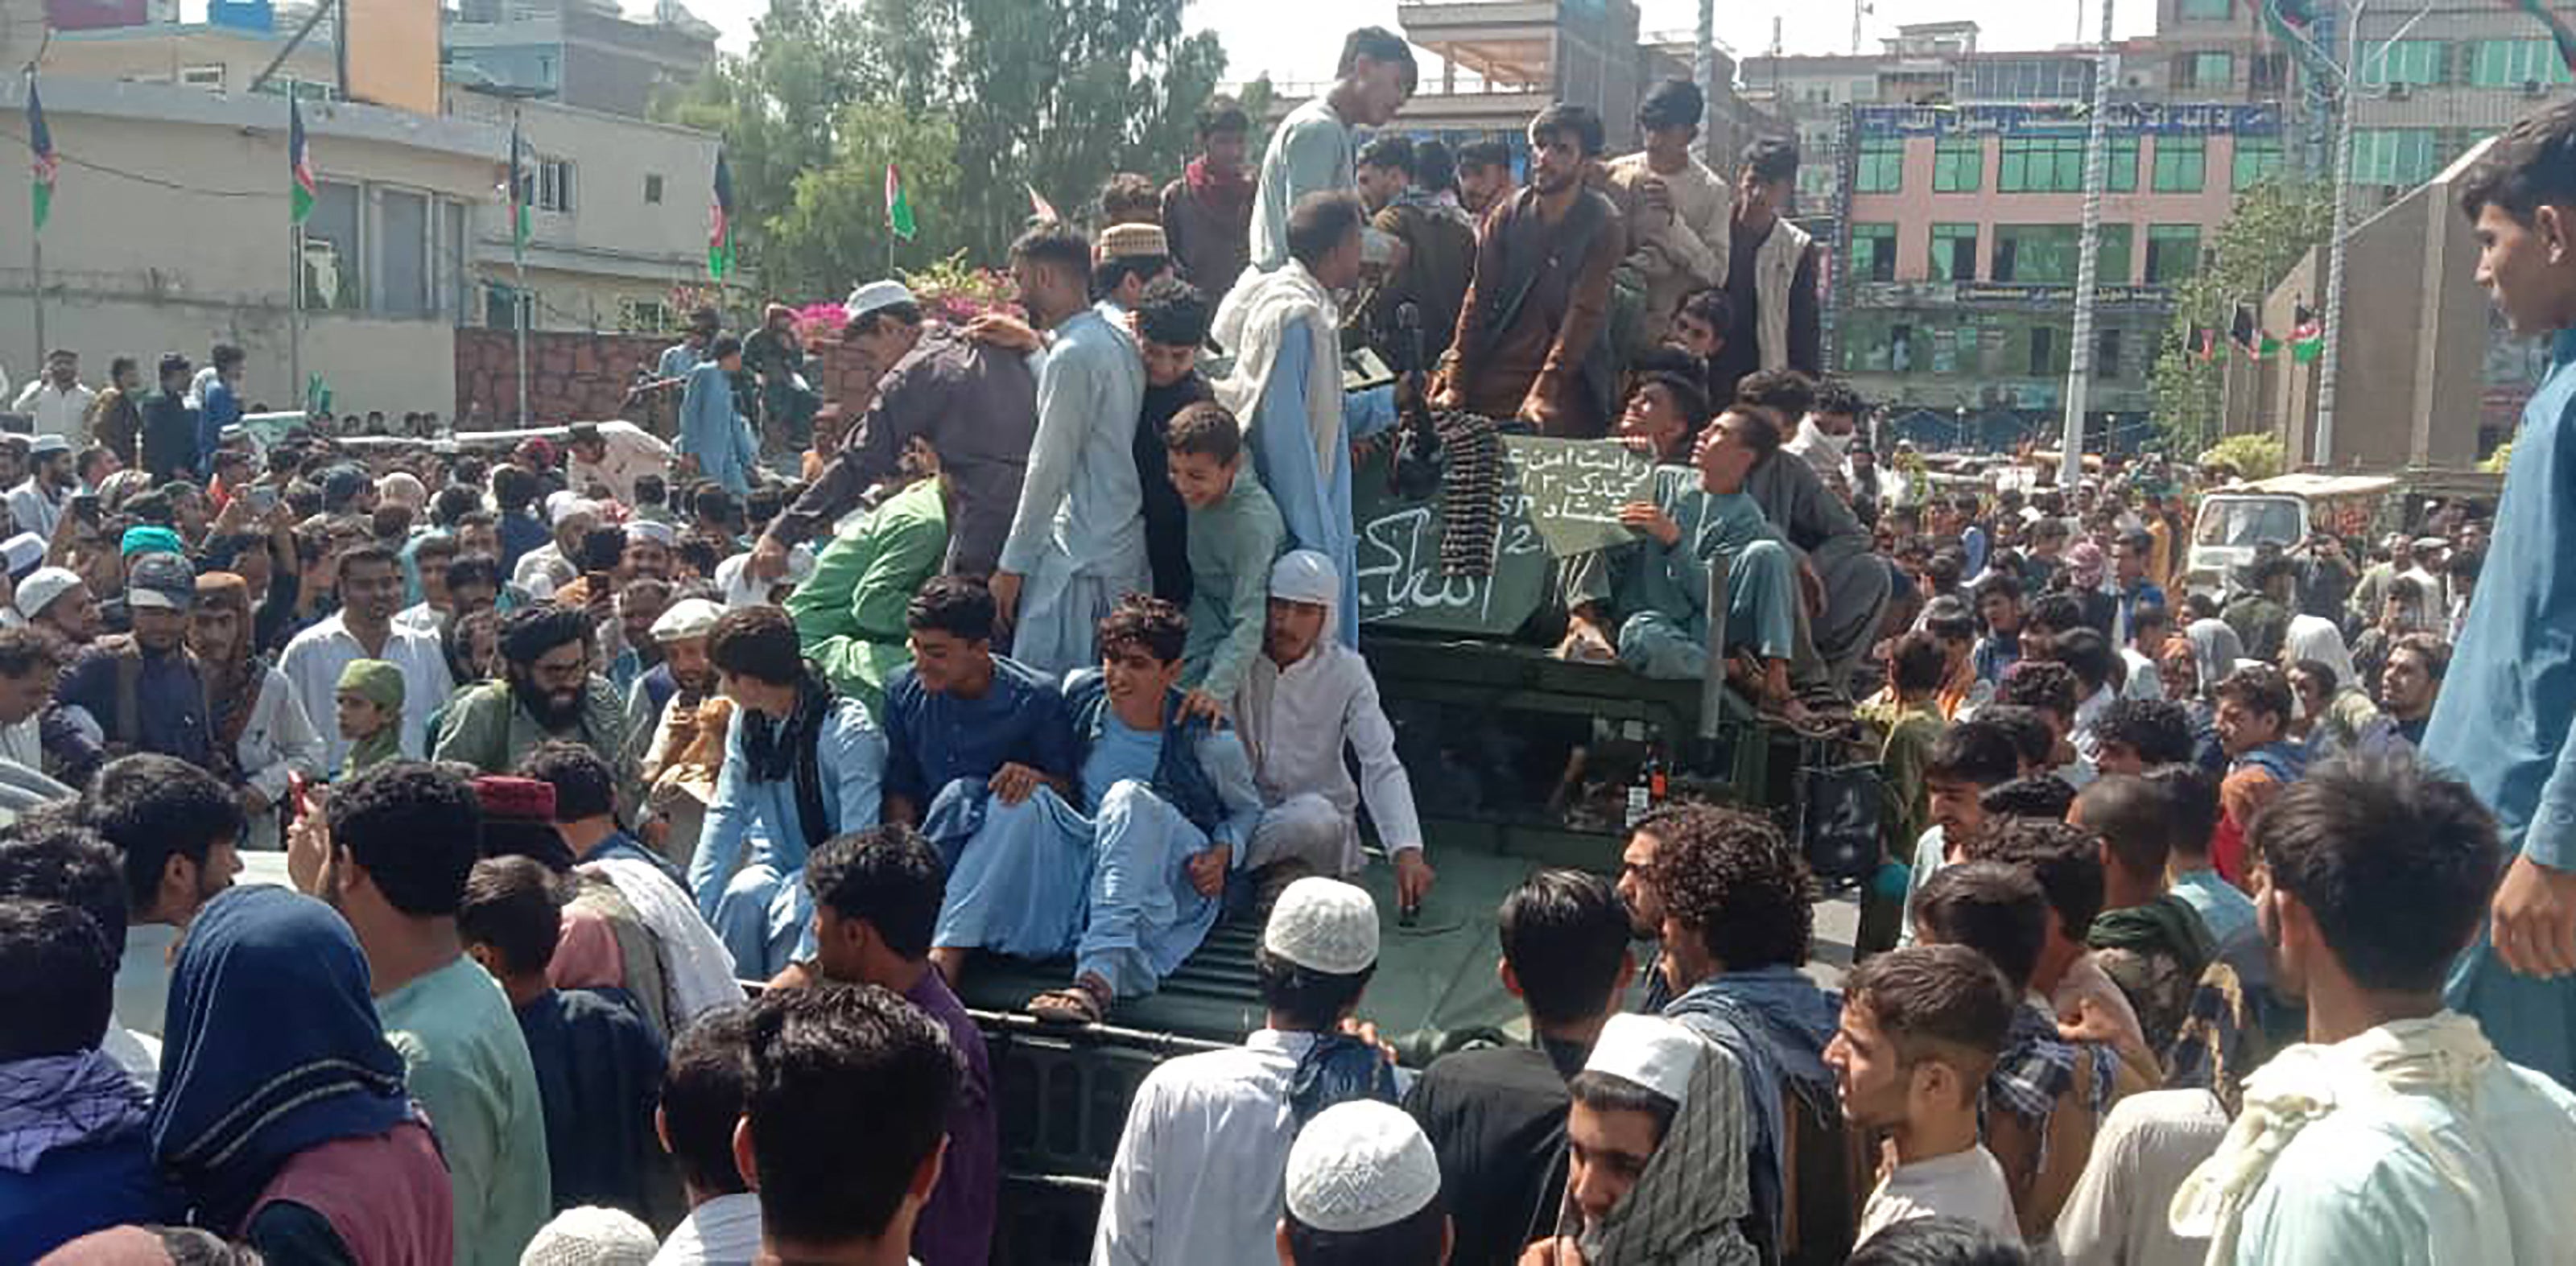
[(2531, 87), (2400, 92)]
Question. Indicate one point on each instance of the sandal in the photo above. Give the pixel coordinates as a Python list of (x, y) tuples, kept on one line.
[(1082, 1002)]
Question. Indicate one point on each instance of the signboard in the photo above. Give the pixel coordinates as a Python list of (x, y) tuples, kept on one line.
[(2069, 119), (1574, 489)]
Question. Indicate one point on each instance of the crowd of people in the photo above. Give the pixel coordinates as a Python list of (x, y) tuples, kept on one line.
[(1050, 651)]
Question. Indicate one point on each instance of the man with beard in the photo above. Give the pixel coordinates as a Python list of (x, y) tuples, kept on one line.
[(547, 691), (1207, 213), (1529, 342), (37, 504), (370, 592), (140, 691), (662, 707), (392, 853), (974, 404), (801, 765), (1484, 176), (177, 829)]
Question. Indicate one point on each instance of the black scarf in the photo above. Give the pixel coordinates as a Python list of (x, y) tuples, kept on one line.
[(777, 751)]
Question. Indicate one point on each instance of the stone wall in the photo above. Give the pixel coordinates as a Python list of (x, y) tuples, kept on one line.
[(584, 377)]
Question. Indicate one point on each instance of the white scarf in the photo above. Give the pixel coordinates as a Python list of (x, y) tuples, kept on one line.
[(2442, 1056), (1253, 321)]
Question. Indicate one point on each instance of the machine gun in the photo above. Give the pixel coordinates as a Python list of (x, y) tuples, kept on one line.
[(1415, 472)]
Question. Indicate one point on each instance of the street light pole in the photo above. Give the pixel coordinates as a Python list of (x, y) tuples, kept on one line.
[(2321, 448), (2088, 260)]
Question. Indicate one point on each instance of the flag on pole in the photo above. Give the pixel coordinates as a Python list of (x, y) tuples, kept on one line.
[(2559, 31), (2204, 344), (299, 164), (2247, 333), (720, 222), (2308, 338), (898, 207), (1039, 207), (40, 144), (518, 193)]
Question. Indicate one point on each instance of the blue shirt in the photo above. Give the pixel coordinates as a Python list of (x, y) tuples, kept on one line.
[(620, 844), (519, 533), (1080, 495), (851, 756), (1118, 753), (933, 739), (2227, 912), (85, 1187), (713, 433), (220, 408), (1314, 502)]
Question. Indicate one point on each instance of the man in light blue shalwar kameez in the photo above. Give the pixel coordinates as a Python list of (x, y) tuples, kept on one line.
[(1284, 329), (1316, 150), (712, 433), (2510, 695), (1077, 541), (801, 765), (1129, 888)]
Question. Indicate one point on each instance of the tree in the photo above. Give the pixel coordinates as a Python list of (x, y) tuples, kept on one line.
[(832, 233), (2252, 457), (2274, 224)]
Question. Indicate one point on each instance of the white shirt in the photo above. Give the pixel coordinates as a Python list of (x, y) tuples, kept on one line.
[(197, 384), (58, 410), (742, 589), (138, 1055), (2145, 682), (34, 510), (143, 976), (1201, 1169), (1967, 1184), (2081, 736), (1297, 720), (543, 570), (313, 663), (2116, 1215), (632, 451), (419, 617), (724, 1231)]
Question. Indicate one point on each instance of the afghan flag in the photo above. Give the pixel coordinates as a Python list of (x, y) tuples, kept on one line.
[(2248, 336), (2204, 344), (518, 192), (898, 207), (2558, 28), (720, 222), (2308, 338), (40, 144), (299, 164)]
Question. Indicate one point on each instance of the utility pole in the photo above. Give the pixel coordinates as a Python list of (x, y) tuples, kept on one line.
[(2321, 448), (1704, 73), (2088, 260)]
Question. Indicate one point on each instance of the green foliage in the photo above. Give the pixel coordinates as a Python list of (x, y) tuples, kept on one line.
[(2499, 461), (977, 100), (2274, 224), (2250, 456)]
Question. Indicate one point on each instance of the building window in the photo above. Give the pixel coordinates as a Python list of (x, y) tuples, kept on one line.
[(2173, 253), (2122, 175), (1954, 252), (1873, 252), (2256, 158), (2418, 62), (500, 313), (2401, 156), (2181, 163), (1882, 165), (1900, 348), (2106, 354), (643, 316), (2268, 72), (210, 78), (2043, 353), (2041, 164), (2111, 259), (403, 277), (653, 191), (332, 276), (2513, 63), (554, 184), (2036, 254), (2206, 10), (1959, 164), (2204, 70)]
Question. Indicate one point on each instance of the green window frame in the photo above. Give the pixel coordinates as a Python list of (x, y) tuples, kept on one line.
[(2256, 158), (1959, 164), (2036, 254), (2212, 70), (2399, 156), (2112, 260), (1873, 252), (2122, 175), (1950, 242), (2173, 253), (2207, 10), (2416, 62), (2041, 164), (1881, 166), (2181, 164), (2513, 63)]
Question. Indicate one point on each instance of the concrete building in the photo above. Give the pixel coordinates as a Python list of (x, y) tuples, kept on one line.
[(582, 53)]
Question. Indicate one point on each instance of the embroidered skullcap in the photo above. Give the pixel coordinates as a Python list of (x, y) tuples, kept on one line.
[(591, 1236), (1304, 575), (876, 295), (685, 619), (1323, 925), (1650, 1051), (506, 798), (661, 534), (1359, 1166), (1126, 241)]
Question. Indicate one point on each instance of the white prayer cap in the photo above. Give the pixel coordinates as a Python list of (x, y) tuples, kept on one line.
[(1655, 1053), (1323, 925), (1359, 1166), (874, 296), (558, 511), (1304, 575), (653, 530), (557, 500), (23, 553), (591, 1236), (685, 619), (41, 587)]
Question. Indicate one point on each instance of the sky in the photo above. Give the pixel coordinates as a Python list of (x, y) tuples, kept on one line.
[(1298, 41)]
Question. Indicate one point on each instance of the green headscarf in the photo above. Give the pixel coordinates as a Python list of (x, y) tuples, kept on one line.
[(381, 684)]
